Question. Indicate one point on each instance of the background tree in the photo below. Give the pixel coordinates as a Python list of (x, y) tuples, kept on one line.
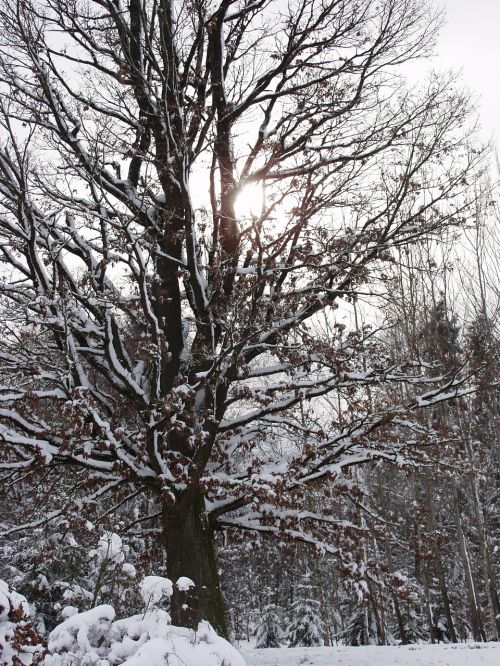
[(305, 628), (160, 340), (268, 633)]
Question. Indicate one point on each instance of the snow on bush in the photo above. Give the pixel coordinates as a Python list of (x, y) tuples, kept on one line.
[(80, 635), (96, 638), (154, 588), (184, 584), (20, 644), (110, 547)]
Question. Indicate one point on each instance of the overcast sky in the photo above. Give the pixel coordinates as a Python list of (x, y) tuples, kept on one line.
[(470, 42)]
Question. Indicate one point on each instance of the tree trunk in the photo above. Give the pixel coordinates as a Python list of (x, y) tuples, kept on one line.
[(428, 607), (474, 609), (323, 605), (439, 568), (482, 532), (190, 548), (421, 572), (380, 490)]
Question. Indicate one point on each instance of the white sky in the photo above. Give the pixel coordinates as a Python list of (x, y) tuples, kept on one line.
[(470, 43)]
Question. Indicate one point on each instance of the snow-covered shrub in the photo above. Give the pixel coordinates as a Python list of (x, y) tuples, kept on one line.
[(20, 644), (46, 568), (74, 564), (268, 633), (111, 577), (82, 638), (95, 637), (154, 589), (306, 627)]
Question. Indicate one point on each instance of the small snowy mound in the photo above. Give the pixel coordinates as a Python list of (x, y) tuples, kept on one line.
[(184, 584), (110, 548), (155, 643), (79, 638), (92, 638), (154, 588), (147, 639), (19, 641)]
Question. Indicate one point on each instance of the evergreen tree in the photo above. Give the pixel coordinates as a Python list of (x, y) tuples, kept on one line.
[(414, 627), (361, 630), (305, 629), (268, 633)]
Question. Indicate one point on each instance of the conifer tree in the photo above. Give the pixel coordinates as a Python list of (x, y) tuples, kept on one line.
[(268, 633), (361, 628), (306, 627)]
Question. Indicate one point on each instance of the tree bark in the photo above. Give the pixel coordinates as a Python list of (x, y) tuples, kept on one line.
[(190, 550), (380, 490), (474, 609), (482, 533), (439, 569)]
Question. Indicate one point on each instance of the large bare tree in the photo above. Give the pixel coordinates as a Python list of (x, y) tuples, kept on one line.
[(159, 340)]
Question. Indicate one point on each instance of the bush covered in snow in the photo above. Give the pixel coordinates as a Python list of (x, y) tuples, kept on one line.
[(20, 644), (95, 637), (75, 564)]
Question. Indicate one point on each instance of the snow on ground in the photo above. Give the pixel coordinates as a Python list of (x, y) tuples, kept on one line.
[(461, 654)]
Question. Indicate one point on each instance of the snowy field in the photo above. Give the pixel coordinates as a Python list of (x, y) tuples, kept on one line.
[(462, 654)]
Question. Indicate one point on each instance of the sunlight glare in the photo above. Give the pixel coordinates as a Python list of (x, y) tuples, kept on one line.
[(249, 201)]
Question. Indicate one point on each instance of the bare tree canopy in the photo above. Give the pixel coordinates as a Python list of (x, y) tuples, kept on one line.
[(154, 334)]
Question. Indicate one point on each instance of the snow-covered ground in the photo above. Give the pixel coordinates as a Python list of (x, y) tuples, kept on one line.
[(462, 654)]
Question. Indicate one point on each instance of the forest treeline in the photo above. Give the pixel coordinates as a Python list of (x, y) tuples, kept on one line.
[(426, 528)]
